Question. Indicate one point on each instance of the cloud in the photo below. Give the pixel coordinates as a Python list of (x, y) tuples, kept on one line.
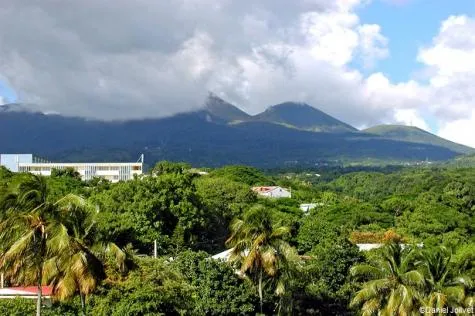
[(450, 61), (461, 130), (128, 59), (410, 117), (141, 58), (373, 44)]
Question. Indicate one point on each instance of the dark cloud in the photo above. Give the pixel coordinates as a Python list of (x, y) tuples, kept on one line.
[(120, 58)]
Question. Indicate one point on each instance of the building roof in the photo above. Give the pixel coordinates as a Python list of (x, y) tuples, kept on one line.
[(265, 189), (25, 291)]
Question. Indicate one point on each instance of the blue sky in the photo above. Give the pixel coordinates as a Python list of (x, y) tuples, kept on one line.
[(409, 25), (7, 93)]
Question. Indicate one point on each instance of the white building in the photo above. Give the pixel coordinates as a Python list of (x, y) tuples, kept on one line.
[(273, 192), (367, 247), (112, 171), (306, 207)]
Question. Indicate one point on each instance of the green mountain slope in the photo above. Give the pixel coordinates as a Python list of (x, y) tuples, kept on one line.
[(465, 161), (303, 116), (416, 135)]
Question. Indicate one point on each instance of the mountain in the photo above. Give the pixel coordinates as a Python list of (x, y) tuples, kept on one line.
[(220, 109), (303, 116), (195, 138), (465, 161), (415, 135), (15, 107)]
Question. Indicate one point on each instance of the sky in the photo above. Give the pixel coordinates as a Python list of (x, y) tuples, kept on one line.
[(365, 62)]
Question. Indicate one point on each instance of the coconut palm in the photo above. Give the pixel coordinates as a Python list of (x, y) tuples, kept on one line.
[(81, 265), (393, 286), (25, 233), (443, 290), (53, 243), (260, 247), (465, 273)]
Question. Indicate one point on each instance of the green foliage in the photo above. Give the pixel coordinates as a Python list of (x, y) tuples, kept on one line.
[(163, 167), (218, 288), (259, 246), (22, 307), (63, 182), (223, 200), (182, 211), (392, 283), (432, 220), (155, 288), (17, 307), (5, 175), (402, 280), (324, 284), (67, 172), (164, 208), (314, 232), (354, 214), (243, 174)]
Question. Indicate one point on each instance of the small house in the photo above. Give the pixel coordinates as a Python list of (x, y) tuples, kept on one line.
[(272, 192)]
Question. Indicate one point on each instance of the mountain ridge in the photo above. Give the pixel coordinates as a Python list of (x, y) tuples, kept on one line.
[(416, 135), (205, 137)]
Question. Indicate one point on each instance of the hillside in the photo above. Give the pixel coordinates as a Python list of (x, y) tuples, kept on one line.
[(415, 135), (220, 109), (465, 161), (303, 116), (192, 137)]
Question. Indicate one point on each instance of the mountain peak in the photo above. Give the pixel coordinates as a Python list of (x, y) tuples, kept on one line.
[(14, 107), (303, 116), (217, 107), (24, 108)]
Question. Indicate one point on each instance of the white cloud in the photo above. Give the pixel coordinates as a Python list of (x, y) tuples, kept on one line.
[(461, 131), (149, 58), (373, 44), (410, 117), (2, 100), (450, 61)]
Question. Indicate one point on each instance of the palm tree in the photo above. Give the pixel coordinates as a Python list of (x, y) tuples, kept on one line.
[(392, 287), (25, 232), (81, 265), (443, 289), (464, 264), (260, 248), (53, 243)]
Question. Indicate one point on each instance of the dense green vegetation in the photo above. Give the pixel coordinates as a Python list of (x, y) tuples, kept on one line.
[(94, 242)]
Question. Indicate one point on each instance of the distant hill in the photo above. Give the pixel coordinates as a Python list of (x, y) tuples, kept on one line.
[(304, 117), (194, 138), (416, 135), (465, 161)]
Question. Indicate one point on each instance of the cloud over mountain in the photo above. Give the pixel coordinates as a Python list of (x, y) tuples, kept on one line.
[(122, 59)]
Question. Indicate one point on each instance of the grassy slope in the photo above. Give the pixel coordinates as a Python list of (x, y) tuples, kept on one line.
[(416, 135)]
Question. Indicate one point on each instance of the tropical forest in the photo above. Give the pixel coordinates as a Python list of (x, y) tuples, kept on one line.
[(184, 241)]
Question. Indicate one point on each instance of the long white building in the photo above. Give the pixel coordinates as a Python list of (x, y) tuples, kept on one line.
[(112, 171)]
